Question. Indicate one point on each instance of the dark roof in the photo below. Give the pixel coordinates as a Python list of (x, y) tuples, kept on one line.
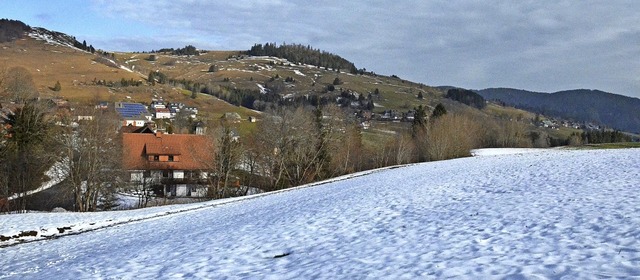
[(135, 129)]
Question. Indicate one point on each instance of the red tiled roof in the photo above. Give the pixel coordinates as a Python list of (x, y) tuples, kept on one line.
[(189, 151)]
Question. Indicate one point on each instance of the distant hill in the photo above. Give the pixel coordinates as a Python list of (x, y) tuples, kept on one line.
[(612, 110)]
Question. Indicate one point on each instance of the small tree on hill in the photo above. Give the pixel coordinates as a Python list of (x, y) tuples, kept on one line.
[(438, 111), (419, 121), (57, 87), (337, 81)]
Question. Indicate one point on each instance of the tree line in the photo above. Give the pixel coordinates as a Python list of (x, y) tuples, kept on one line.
[(598, 137), (11, 30), (186, 50), (297, 53)]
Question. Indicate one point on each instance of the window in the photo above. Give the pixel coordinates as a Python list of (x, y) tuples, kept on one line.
[(156, 158), (170, 158), (165, 173)]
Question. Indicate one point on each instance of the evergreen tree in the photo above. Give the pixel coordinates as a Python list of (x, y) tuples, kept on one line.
[(467, 97), (337, 81), (370, 105), (419, 123), (438, 111), (57, 87), (27, 153)]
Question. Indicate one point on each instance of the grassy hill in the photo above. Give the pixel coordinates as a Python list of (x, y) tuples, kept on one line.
[(80, 74)]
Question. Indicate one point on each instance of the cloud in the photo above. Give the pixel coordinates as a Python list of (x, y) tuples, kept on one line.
[(44, 17), (537, 45)]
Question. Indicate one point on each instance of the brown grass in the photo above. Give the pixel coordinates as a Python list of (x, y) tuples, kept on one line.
[(76, 71)]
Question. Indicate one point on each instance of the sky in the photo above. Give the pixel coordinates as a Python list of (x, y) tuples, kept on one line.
[(542, 45)]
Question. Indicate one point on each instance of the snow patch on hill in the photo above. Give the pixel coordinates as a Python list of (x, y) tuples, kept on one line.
[(53, 38), (263, 90)]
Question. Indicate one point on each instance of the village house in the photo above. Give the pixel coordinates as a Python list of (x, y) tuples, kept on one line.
[(199, 128), (162, 113), (192, 111), (155, 104), (102, 105), (132, 114), (172, 165)]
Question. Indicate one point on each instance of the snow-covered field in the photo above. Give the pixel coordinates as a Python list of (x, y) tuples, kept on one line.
[(535, 215)]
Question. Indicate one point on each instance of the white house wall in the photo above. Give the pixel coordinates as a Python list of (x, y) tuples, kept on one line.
[(181, 190), (178, 174)]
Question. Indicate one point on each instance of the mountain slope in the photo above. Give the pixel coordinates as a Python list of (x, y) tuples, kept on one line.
[(514, 216), (617, 111)]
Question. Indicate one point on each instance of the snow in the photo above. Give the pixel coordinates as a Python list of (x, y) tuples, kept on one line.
[(54, 178), (125, 68), (504, 151), (297, 72), (263, 90), (38, 34), (571, 214)]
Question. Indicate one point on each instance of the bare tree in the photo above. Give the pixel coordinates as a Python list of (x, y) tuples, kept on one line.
[(513, 133), (452, 136), (404, 149), (344, 142), (18, 85), (227, 155), (92, 164), (293, 146)]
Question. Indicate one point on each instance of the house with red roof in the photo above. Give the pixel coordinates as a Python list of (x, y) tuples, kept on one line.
[(172, 165)]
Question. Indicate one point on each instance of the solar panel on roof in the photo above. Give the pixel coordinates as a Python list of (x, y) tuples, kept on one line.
[(128, 110)]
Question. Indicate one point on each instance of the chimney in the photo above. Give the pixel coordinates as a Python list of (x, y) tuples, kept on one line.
[(159, 134)]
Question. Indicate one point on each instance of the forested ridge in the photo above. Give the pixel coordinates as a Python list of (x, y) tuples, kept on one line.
[(297, 53)]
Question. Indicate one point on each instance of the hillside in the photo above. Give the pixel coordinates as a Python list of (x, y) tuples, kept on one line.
[(218, 82), (51, 57), (612, 110), (542, 214)]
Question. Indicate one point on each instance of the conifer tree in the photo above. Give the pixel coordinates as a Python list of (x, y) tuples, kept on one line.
[(419, 121), (57, 87), (438, 111)]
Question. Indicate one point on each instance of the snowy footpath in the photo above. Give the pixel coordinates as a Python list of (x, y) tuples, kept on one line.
[(547, 214)]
